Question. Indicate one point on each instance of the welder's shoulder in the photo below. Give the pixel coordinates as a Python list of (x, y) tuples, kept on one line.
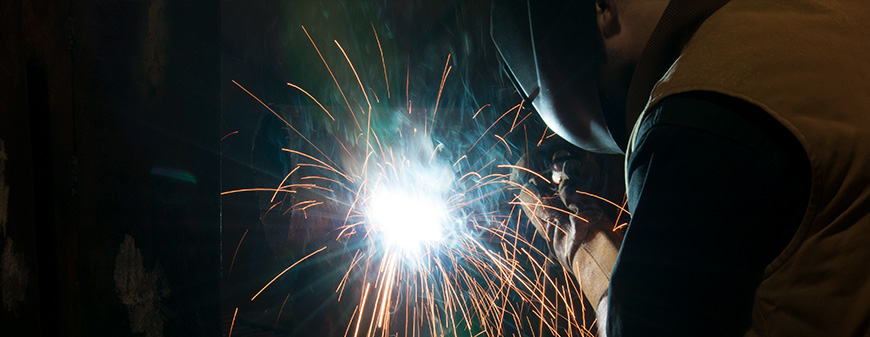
[(758, 50), (724, 116)]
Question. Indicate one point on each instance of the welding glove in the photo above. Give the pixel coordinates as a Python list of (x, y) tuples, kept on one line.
[(571, 215)]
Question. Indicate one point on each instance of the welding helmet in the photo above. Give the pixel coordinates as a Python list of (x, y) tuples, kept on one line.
[(549, 50)]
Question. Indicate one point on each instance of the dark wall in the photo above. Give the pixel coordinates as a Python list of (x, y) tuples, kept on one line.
[(109, 153)]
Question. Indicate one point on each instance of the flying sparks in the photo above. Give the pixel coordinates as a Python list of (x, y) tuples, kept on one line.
[(430, 253)]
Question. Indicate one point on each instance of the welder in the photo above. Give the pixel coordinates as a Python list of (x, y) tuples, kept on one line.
[(745, 127)]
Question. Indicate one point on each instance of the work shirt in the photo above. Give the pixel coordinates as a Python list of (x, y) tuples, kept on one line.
[(717, 190)]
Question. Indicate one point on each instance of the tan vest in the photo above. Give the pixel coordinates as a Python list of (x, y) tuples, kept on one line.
[(807, 63)]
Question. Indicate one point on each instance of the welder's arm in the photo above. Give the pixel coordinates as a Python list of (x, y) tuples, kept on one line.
[(717, 190), (579, 233)]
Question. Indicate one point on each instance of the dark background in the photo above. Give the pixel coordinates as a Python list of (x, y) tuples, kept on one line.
[(109, 112)]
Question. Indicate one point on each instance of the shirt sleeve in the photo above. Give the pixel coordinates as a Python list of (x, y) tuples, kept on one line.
[(717, 189)]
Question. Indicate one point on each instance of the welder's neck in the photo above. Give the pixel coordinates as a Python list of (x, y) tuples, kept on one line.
[(613, 108)]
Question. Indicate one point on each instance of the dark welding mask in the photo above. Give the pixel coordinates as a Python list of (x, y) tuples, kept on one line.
[(550, 50)]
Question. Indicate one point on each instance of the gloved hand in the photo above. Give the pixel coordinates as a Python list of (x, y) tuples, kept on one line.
[(540, 202), (579, 231)]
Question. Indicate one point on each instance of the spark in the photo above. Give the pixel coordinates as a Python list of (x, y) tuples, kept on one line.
[(313, 99), (479, 110), (282, 183), (506, 145), (233, 323), (621, 208), (285, 270), (229, 134), (361, 88), (233, 262), (441, 87), (547, 181), (618, 216), (281, 310), (386, 79), (256, 190), (543, 136)]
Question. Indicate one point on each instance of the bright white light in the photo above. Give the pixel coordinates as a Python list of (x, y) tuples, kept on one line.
[(407, 220)]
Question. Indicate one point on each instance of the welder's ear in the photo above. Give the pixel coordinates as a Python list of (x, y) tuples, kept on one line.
[(608, 20)]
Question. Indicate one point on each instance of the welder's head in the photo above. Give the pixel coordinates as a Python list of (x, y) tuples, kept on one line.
[(551, 51)]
